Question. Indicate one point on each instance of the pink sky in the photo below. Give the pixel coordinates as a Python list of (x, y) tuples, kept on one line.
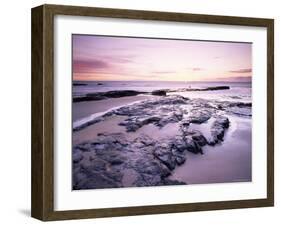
[(100, 58)]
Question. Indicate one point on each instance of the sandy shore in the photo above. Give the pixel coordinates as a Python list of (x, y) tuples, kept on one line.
[(84, 109), (230, 161)]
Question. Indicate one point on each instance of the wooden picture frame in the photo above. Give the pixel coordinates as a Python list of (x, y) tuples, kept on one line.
[(43, 112)]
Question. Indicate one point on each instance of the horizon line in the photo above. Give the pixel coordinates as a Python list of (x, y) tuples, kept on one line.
[(73, 80)]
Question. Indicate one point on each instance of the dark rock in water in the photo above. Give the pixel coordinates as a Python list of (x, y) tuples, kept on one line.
[(240, 104), (159, 92), (88, 97), (211, 88), (79, 84), (125, 93), (192, 145), (105, 95), (99, 84), (178, 143), (122, 93), (216, 88), (199, 138), (217, 129), (180, 159), (167, 181)]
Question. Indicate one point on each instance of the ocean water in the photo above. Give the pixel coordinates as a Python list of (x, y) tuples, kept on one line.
[(238, 92)]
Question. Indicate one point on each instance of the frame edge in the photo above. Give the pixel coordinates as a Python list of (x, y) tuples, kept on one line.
[(42, 109), (270, 112), (37, 188)]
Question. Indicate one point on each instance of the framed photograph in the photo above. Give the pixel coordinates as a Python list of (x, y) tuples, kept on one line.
[(142, 112)]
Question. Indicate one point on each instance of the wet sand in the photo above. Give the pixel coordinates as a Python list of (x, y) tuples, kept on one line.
[(229, 161), (84, 109), (91, 132)]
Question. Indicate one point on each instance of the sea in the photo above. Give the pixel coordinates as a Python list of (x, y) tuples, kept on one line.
[(238, 92)]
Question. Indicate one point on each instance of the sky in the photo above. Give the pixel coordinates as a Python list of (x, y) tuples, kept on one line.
[(107, 58)]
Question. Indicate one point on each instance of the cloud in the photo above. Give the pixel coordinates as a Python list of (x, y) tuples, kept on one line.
[(120, 59), (196, 69), (86, 66), (163, 72), (231, 79), (244, 70)]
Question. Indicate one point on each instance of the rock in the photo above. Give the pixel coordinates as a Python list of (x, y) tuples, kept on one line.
[(199, 138), (164, 154), (79, 177), (117, 160), (97, 164), (124, 93), (78, 84), (178, 143), (212, 88), (104, 161), (180, 159), (216, 88), (77, 157), (240, 111), (192, 146), (95, 180), (159, 92), (152, 168), (88, 98), (121, 93), (172, 182), (108, 160), (217, 129), (105, 95), (84, 147), (199, 116)]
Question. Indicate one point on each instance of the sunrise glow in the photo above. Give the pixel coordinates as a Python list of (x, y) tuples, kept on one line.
[(104, 58)]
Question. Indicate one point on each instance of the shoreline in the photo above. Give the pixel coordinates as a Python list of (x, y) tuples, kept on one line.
[(125, 93), (84, 109), (229, 162), (121, 141)]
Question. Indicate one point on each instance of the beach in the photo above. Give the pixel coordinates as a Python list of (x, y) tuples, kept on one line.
[(169, 138)]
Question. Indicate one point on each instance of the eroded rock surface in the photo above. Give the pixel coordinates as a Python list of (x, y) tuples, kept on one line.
[(112, 160)]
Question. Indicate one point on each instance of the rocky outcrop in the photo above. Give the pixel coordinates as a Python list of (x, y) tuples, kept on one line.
[(113, 160), (161, 92), (126, 93), (161, 111), (211, 88), (79, 84), (217, 129), (105, 95)]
